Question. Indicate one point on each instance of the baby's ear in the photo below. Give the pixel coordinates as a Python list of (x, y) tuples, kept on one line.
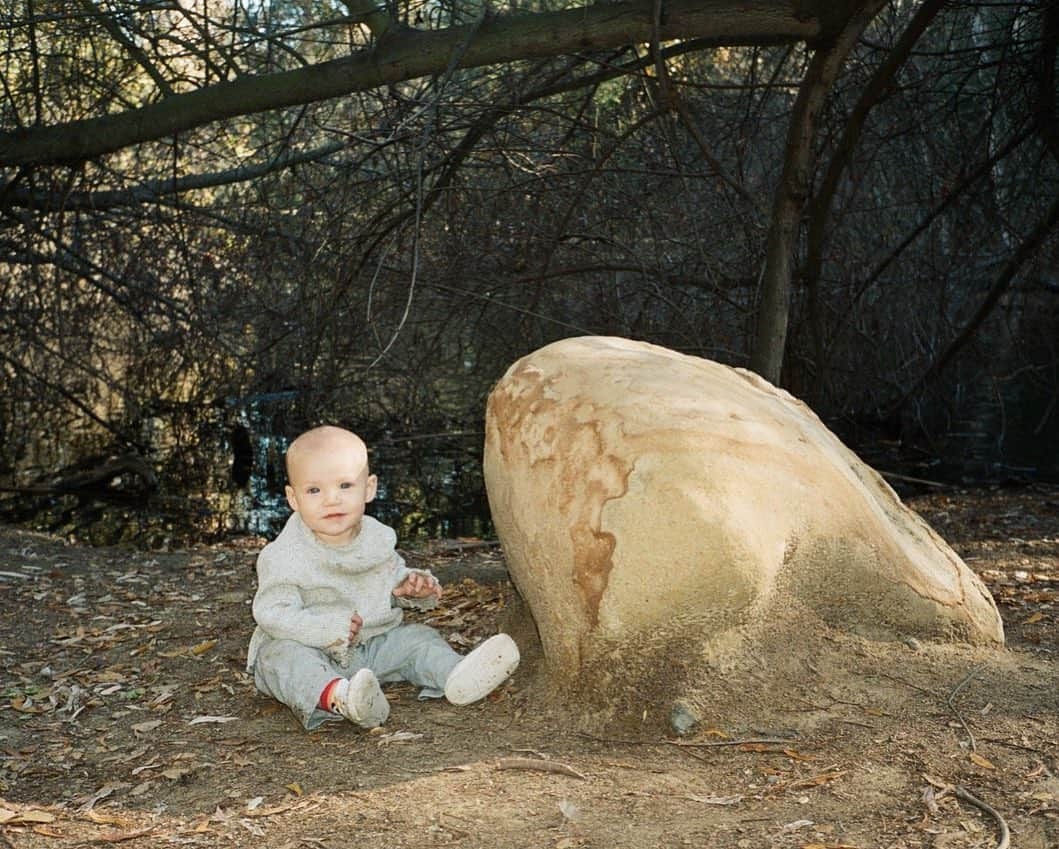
[(371, 487), (291, 500)]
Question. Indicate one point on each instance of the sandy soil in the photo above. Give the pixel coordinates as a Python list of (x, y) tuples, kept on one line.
[(126, 718)]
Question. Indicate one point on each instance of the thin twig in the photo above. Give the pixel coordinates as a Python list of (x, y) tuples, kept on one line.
[(908, 479), (1005, 835), (694, 755), (618, 741), (779, 741), (922, 690), (967, 680), (1011, 745), (540, 765)]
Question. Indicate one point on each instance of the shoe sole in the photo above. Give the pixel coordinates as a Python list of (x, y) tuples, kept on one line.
[(482, 671)]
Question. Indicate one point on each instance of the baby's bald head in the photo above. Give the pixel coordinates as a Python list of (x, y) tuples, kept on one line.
[(328, 440)]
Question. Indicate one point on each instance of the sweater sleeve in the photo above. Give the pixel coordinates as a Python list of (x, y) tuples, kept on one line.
[(282, 613)]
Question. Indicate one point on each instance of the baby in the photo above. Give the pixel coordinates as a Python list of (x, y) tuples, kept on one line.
[(329, 601)]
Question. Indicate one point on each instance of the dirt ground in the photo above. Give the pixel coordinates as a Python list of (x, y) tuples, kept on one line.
[(126, 718)]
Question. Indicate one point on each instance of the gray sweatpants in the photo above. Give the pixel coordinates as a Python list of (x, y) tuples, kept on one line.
[(296, 674)]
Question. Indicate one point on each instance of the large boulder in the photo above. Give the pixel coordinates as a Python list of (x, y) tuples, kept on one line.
[(646, 500)]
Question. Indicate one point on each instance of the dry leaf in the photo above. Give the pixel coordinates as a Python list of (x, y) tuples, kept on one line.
[(982, 762), (929, 799), (175, 773), (199, 720), (24, 705), (716, 800), (203, 647), (828, 846), (937, 782), (146, 727), (399, 737), (569, 810), (103, 792), (279, 809), (120, 836), (295, 788), (108, 819), (33, 817), (1033, 620)]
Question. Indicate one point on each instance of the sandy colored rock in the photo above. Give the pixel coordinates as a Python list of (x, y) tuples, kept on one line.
[(653, 504)]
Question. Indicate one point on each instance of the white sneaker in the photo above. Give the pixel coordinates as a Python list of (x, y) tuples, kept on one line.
[(360, 699), (482, 671)]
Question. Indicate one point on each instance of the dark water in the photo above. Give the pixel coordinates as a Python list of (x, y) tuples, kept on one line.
[(222, 477), (228, 482), (430, 484)]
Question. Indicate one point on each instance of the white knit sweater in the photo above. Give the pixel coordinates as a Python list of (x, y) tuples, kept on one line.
[(308, 591)]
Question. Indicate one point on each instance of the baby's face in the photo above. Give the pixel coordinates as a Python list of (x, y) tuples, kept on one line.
[(330, 486)]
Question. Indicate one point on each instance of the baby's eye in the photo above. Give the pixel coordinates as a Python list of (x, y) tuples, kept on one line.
[(345, 485), (313, 490)]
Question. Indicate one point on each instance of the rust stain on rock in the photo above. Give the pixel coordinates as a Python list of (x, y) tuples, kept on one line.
[(591, 477), (587, 477), (594, 551)]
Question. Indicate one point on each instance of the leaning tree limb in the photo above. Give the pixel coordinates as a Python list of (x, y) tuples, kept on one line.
[(404, 54)]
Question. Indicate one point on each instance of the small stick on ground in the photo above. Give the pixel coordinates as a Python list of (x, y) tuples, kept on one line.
[(922, 690), (777, 741), (541, 766), (1011, 745), (955, 712), (1005, 835)]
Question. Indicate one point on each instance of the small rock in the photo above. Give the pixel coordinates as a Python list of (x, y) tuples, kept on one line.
[(913, 644), (682, 720)]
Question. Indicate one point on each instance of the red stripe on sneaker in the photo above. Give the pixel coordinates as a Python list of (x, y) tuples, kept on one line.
[(325, 696)]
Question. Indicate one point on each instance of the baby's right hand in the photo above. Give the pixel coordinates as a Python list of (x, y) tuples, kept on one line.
[(355, 624)]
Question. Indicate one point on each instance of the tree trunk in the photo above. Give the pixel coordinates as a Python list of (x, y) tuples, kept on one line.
[(774, 307), (820, 205)]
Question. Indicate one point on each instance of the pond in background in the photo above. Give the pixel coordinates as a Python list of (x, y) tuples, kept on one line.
[(430, 485), (227, 480), (221, 475)]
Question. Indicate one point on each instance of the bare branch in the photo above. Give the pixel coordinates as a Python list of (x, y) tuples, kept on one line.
[(154, 190), (411, 54)]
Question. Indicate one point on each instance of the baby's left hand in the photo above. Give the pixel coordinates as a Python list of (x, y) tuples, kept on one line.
[(418, 585)]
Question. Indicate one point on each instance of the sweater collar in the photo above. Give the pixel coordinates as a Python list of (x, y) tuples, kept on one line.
[(359, 555)]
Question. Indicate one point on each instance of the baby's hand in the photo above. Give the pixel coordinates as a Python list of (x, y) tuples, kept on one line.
[(355, 624), (418, 585)]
